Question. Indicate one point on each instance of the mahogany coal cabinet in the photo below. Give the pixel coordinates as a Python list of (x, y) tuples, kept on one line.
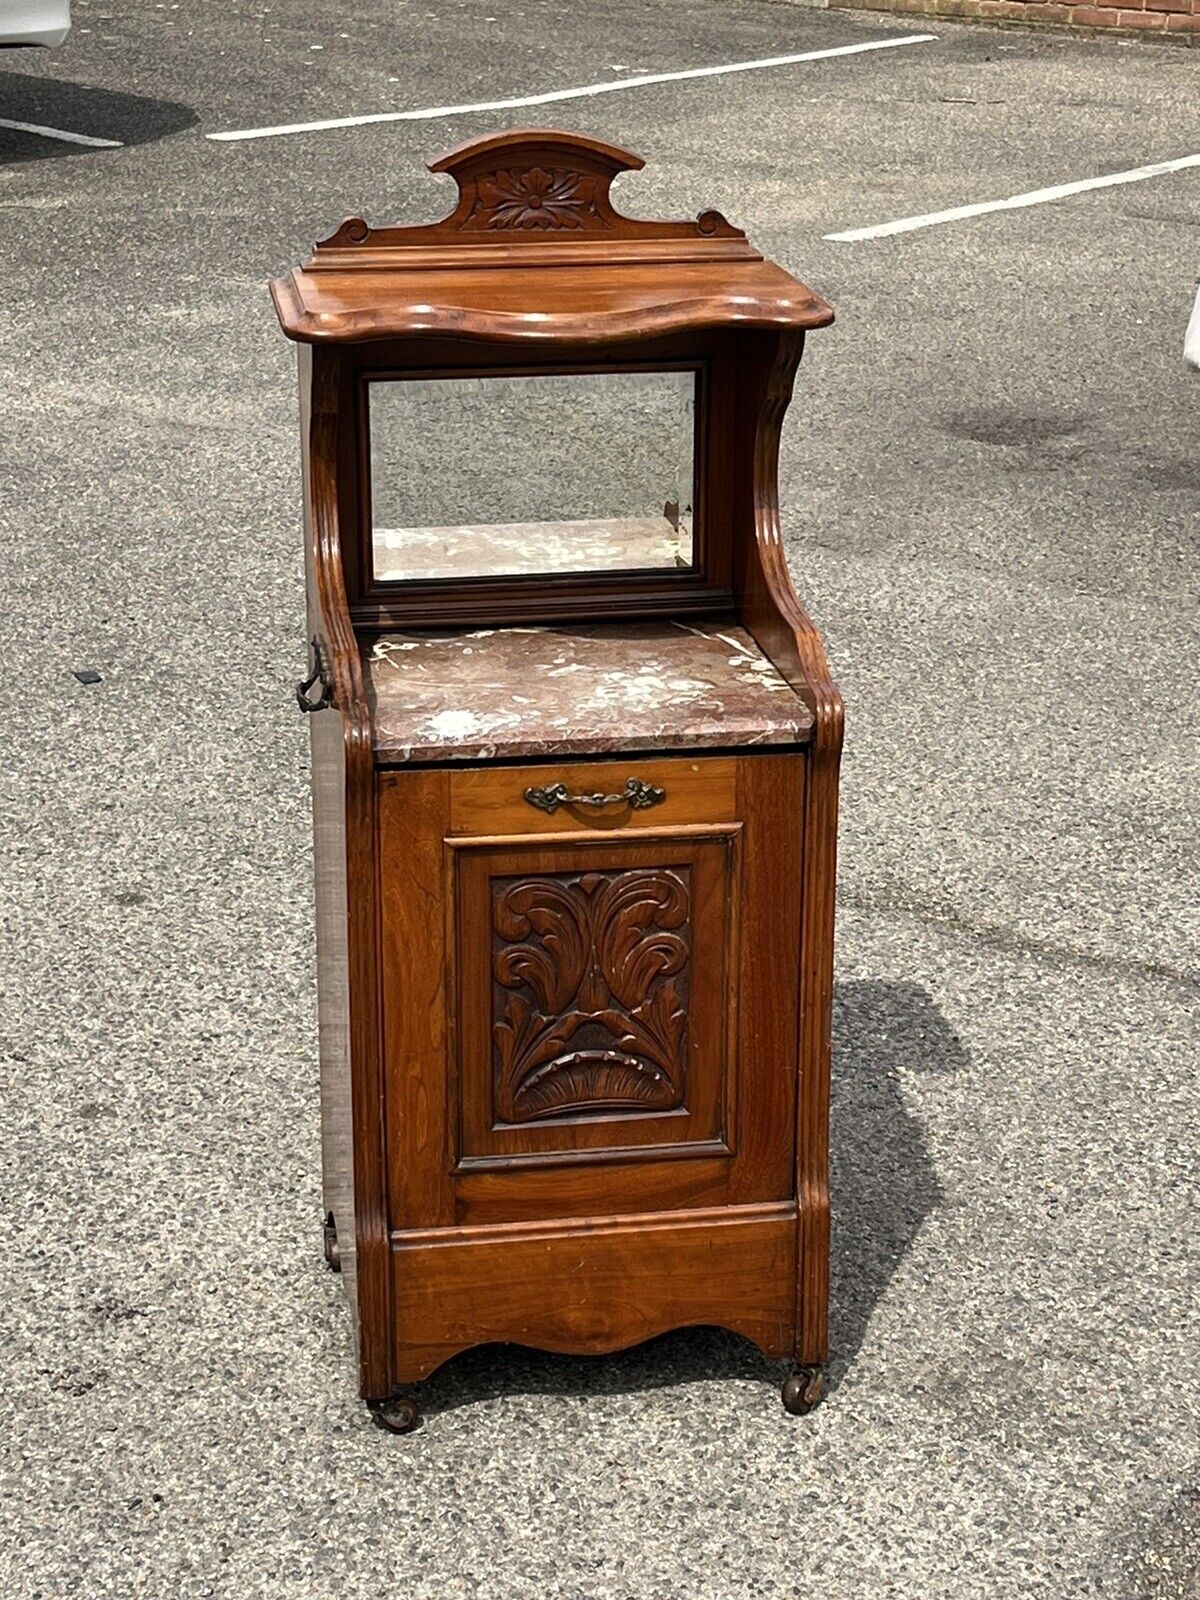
[(575, 762)]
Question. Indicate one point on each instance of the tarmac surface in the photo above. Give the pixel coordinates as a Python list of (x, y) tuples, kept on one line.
[(991, 483)]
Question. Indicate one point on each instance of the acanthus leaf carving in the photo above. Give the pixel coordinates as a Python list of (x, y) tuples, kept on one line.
[(590, 993)]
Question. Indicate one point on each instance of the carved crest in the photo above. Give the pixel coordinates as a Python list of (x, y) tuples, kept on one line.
[(590, 987), (527, 188)]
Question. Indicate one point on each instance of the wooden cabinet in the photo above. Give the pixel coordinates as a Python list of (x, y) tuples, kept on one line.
[(598, 1092), (575, 780)]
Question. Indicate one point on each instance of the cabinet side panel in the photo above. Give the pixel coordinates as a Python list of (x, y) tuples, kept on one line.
[(414, 812), (816, 1009), (328, 747), (333, 996)]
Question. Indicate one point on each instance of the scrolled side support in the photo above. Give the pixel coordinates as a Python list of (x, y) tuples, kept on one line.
[(769, 609)]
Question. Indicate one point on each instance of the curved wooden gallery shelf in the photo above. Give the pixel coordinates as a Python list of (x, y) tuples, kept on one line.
[(536, 206)]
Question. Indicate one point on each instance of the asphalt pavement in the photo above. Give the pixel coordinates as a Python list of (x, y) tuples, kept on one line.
[(991, 483)]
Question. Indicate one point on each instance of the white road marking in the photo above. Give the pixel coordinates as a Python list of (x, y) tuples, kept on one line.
[(430, 113), (61, 133), (1035, 197)]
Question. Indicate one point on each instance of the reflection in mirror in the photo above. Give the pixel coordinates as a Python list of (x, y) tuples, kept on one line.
[(549, 473)]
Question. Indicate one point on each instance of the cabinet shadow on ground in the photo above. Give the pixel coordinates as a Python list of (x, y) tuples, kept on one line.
[(883, 1187), (130, 119)]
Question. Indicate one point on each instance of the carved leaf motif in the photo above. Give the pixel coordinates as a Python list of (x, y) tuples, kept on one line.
[(533, 197), (554, 964), (633, 916), (591, 993)]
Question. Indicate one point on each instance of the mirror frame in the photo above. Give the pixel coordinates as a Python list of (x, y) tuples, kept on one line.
[(538, 597)]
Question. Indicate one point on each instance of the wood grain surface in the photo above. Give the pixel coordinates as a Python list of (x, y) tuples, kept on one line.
[(575, 1063), (593, 1287)]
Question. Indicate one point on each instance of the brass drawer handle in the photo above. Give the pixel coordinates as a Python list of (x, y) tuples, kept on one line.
[(637, 794)]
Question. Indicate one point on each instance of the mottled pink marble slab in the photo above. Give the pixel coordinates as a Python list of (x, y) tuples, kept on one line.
[(614, 544), (499, 692)]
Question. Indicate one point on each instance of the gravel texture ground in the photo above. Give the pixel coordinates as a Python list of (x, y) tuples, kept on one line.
[(991, 490)]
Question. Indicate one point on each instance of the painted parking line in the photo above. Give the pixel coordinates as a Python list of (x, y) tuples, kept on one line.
[(1035, 197), (612, 86), (61, 133)]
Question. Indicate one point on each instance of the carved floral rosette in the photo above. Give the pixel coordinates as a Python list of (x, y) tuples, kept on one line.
[(534, 197)]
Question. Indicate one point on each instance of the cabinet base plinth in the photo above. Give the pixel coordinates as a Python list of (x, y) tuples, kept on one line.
[(595, 1286)]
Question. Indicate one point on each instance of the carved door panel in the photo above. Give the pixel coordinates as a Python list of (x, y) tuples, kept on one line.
[(590, 1015), (592, 993)]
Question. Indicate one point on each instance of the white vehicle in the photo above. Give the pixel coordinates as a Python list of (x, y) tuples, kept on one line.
[(1191, 343), (34, 22)]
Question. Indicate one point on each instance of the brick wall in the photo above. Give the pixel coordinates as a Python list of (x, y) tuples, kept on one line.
[(1175, 21)]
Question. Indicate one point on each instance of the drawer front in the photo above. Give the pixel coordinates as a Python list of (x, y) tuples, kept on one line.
[(496, 800), (590, 1005)]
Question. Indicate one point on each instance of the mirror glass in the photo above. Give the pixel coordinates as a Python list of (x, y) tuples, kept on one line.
[(544, 473)]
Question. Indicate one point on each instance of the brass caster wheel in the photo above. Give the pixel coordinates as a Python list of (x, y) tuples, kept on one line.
[(802, 1389), (397, 1415), (333, 1255)]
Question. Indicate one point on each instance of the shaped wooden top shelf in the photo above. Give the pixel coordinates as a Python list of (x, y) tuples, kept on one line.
[(534, 251), (496, 693)]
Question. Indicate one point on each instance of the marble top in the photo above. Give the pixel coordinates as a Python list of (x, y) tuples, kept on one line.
[(491, 693), (594, 544)]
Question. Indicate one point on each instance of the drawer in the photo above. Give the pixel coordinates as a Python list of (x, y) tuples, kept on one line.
[(495, 800)]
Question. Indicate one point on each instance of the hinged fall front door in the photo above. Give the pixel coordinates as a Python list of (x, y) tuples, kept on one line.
[(585, 1014)]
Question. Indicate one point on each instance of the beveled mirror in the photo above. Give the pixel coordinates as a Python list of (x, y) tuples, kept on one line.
[(499, 475)]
